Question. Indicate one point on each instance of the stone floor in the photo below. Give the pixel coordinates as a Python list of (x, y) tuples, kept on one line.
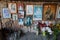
[(28, 36), (0, 36), (32, 36)]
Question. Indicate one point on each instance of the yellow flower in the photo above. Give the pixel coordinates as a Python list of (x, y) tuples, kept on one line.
[(57, 25)]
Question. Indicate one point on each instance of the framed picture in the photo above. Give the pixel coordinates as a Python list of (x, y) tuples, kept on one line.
[(6, 13), (0, 26), (58, 12), (21, 21), (14, 17), (37, 12), (20, 6), (21, 14), (12, 7), (49, 12), (28, 21), (29, 9)]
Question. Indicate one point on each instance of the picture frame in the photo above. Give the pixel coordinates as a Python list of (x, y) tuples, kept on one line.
[(12, 7), (14, 17), (58, 12), (37, 12), (29, 9), (21, 14), (28, 20), (6, 13), (21, 21), (20, 6), (49, 12)]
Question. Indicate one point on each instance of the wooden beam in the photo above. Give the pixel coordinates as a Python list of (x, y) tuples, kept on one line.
[(38, 0)]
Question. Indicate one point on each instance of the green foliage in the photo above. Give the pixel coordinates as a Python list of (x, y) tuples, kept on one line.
[(55, 31)]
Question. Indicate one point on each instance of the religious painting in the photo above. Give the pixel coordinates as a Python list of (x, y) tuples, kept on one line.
[(12, 7), (21, 21), (21, 14), (58, 12), (14, 17), (6, 13), (37, 12), (49, 12), (29, 9), (28, 20), (20, 7)]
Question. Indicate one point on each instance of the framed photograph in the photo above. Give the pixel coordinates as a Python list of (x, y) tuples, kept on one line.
[(49, 12), (21, 21), (14, 17), (37, 12), (21, 14), (6, 13), (58, 12), (20, 6), (28, 21), (29, 9), (12, 7)]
